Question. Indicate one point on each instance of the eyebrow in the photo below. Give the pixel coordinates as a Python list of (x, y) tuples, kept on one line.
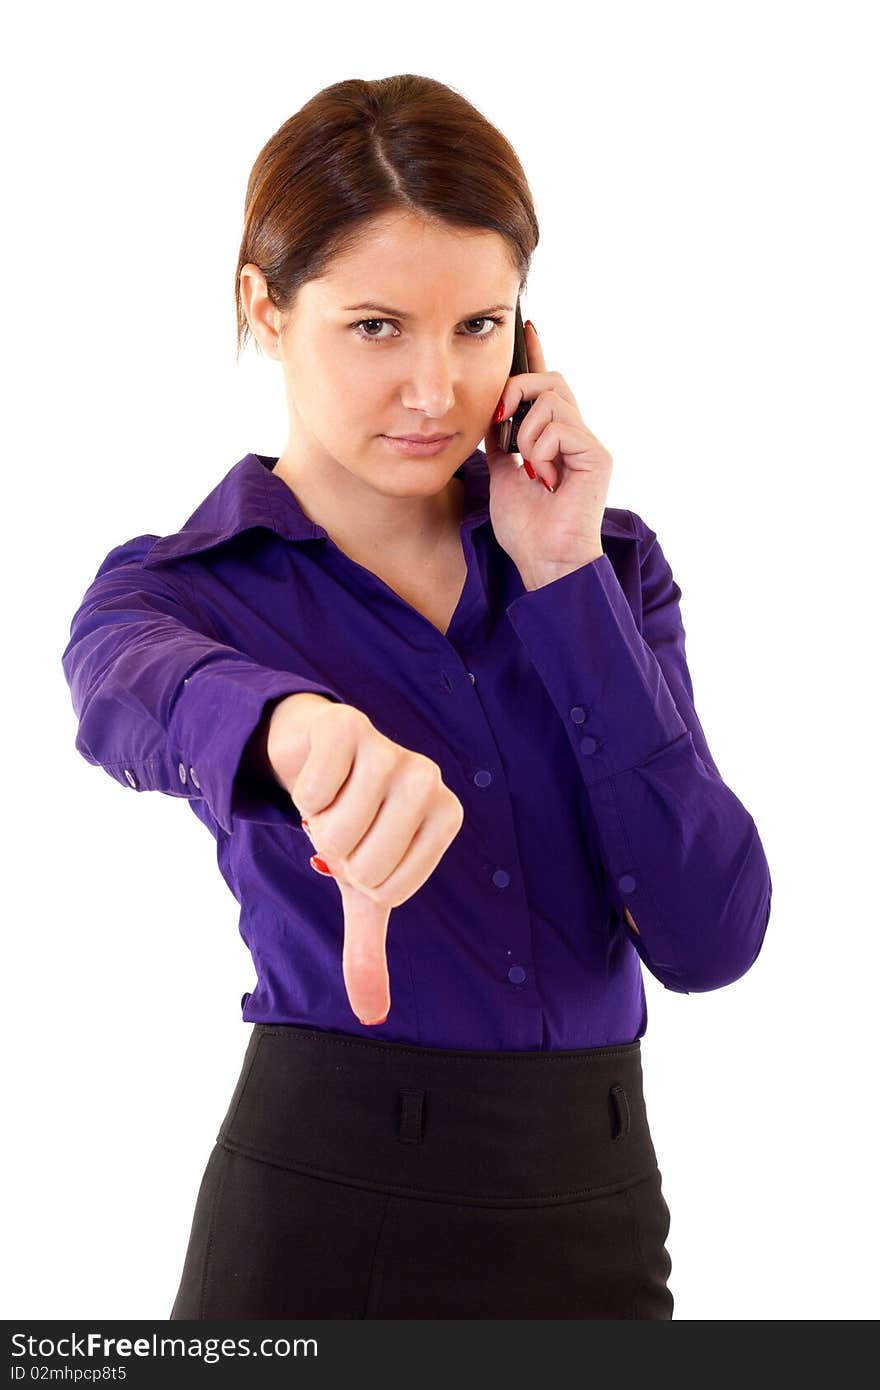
[(400, 314)]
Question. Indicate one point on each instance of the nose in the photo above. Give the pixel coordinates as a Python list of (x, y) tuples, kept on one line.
[(430, 389)]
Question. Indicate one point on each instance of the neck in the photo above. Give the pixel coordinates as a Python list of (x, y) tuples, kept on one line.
[(367, 524)]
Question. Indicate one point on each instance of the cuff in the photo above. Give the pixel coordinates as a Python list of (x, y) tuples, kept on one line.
[(216, 713)]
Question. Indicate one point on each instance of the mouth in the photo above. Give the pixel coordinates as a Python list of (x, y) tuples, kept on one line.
[(418, 446), (419, 438)]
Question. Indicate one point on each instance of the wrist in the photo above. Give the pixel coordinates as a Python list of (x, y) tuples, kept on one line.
[(537, 576), (300, 708)]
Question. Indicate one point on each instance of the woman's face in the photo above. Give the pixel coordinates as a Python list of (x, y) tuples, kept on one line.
[(424, 358)]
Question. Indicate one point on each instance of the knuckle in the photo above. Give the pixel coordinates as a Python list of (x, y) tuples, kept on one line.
[(432, 773), (456, 813), (387, 756), (407, 776), (381, 751), (336, 721), (421, 771), (349, 712)]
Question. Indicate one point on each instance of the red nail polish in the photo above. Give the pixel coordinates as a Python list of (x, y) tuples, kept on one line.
[(529, 324), (499, 412), (547, 485), (529, 469), (319, 864), (305, 822)]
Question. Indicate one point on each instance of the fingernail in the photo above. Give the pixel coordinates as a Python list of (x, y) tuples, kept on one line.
[(305, 823), (529, 469), (499, 412), (529, 324), (547, 485), (374, 1024), (319, 864)]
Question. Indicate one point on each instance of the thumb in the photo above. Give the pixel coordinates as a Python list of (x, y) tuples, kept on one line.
[(364, 962)]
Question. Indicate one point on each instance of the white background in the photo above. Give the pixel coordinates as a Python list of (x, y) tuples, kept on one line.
[(707, 281)]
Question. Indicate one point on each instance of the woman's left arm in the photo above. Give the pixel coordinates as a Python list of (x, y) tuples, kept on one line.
[(685, 864)]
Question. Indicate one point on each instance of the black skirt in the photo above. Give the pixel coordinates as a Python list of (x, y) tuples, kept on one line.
[(358, 1178)]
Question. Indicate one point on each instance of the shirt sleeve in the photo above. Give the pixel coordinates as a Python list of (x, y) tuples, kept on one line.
[(681, 852), (163, 706)]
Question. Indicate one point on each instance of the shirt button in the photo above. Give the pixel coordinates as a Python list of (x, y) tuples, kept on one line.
[(516, 974), (195, 779), (181, 772), (588, 745), (482, 778), (130, 776), (472, 676), (501, 878), (578, 714), (626, 884)]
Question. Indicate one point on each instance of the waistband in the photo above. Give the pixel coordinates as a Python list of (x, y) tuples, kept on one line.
[(493, 1128)]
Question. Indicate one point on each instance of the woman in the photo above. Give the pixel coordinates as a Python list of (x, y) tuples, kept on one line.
[(422, 678)]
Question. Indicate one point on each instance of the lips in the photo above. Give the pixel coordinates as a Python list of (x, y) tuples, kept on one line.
[(421, 438)]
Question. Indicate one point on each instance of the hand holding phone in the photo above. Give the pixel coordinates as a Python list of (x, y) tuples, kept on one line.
[(549, 531)]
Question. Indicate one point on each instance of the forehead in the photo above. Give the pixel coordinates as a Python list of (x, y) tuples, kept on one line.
[(413, 254)]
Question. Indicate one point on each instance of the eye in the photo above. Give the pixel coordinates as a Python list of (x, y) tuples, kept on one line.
[(495, 322), (365, 337), (369, 336)]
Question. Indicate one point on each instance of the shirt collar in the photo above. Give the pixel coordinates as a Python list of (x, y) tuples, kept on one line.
[(251, 495)]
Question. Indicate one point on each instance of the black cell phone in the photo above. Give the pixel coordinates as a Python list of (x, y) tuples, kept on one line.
[(508, 429)]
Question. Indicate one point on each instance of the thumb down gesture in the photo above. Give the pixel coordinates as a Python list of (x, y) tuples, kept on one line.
[(379, 816)]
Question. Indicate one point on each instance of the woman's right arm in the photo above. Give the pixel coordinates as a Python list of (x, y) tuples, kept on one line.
[(161, 704)]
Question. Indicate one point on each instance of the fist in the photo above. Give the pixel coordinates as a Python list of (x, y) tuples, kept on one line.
[(378, 814)]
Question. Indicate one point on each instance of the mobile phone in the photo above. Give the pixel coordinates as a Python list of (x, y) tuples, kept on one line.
[(508, 429)]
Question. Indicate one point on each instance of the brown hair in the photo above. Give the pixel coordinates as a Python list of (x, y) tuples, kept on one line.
[(361, 148)]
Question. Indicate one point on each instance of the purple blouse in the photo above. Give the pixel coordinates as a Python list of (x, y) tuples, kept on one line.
[(562, 717)]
